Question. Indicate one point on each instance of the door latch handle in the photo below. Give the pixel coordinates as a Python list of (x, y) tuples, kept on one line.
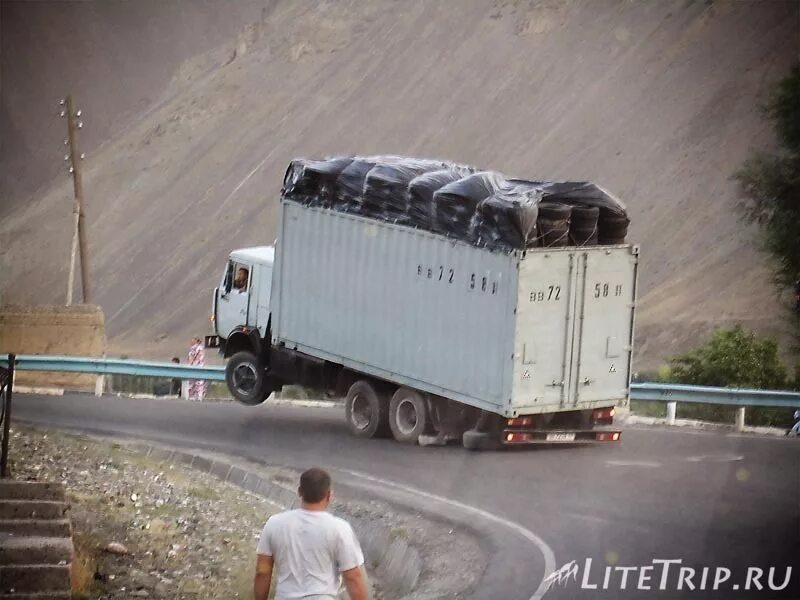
[(587, 381), (556, 384)]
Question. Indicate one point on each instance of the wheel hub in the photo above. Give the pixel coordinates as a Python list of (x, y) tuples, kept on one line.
[(406, 416), (361, 413), (245, 378)]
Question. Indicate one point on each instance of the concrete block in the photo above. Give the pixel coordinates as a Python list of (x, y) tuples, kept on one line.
[(220, 470), (236, 475), (36, 527), (161, 454), (32, 490), (202, 464), (252, 483), (34, 578), (183, 458), (35, 550), (32, 509)]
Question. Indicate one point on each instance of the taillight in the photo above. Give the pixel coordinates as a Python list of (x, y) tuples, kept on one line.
[(518, 437), (607, 436), (520, 422), (601, 414)]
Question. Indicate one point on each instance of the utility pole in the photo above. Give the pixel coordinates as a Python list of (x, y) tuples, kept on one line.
[(79, 226)]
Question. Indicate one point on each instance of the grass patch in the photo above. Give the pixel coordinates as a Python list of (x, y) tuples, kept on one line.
[(649, 408), (204, 493), (399, 533), (84, 565)]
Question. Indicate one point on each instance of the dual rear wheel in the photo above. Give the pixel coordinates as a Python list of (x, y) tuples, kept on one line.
[(371, 412)]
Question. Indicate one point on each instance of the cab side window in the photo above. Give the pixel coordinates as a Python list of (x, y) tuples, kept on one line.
[(241, 277), (237, 277)]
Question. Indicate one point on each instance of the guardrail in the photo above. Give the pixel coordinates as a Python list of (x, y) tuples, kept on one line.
[(660, 392), (114, 366), (741, 398)]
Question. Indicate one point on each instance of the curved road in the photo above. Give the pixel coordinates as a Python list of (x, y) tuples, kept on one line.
[(708, 499)]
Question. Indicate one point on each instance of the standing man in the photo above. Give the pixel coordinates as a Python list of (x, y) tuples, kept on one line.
[(311, 550)]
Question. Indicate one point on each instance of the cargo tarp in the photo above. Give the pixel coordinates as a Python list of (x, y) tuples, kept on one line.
[(483, 208)]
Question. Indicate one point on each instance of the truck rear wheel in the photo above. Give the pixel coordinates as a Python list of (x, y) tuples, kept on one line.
[(247, 378), (366, 410), (408, 416)]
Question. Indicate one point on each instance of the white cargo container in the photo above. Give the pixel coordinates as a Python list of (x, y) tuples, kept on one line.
[(428, 329)]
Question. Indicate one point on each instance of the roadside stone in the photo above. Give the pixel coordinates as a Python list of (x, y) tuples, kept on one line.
[(116, 548)]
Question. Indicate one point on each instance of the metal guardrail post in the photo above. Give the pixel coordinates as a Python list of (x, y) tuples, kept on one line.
[(672, 409), (6, 407), (740, 418)]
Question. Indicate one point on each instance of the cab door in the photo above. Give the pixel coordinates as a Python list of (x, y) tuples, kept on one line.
[(233, 302)]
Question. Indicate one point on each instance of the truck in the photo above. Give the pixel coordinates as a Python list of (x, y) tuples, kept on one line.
[(429, 335)]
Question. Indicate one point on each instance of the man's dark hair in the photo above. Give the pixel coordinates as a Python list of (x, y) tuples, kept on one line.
[(314, 484)]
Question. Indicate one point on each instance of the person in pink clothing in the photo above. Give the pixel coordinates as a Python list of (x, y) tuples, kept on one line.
[(197, 358)]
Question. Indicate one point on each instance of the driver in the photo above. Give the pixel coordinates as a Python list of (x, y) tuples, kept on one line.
[(240, 282)]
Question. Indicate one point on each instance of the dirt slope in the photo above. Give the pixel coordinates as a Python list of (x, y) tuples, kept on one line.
[(657, 102)]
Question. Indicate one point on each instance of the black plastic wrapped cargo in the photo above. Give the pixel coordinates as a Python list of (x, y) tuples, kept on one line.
[(349, 188), (420, 195), (313, 181), (454, 204), (482, 208), (386, 188), (506, 220)]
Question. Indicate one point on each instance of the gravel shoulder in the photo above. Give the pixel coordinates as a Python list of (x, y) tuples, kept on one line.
[(143, 528), (190, 535)]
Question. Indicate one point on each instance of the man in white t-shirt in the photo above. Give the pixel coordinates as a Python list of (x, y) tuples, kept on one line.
[(311, 550)]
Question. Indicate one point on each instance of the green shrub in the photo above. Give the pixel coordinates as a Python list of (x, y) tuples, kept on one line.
[(732, 358)]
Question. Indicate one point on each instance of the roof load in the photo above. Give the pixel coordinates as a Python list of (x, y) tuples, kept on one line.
[(482, 208)]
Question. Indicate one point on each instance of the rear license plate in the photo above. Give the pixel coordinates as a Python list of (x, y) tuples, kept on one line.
[(560, 437)]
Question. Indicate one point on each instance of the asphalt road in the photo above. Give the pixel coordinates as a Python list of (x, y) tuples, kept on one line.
[(708, 499)]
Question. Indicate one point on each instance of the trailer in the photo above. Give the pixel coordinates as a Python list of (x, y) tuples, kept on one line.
[(431, 338)]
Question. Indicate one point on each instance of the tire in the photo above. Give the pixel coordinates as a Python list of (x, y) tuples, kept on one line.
[(613, 226), (553, 234), (408, 416), (554, 212), (583, 237), (479, 440), (247, 378), (584, 217), (366, 410)]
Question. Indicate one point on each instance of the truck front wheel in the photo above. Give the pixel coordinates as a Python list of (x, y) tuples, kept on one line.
[(408, 416), (247, 378), (366, 410)]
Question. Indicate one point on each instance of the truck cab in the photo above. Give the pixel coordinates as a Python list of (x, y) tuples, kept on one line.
[(241, 319)]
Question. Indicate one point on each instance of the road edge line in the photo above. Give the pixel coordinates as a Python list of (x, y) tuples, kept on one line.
[(547, 552)]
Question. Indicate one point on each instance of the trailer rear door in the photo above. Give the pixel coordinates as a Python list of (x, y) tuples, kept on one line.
[(603, 336), (574, 328)]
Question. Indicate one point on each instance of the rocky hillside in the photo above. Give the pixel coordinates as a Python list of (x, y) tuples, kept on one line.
[(655, 101)]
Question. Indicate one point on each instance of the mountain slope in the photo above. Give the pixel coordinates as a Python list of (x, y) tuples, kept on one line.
[(657, 102)]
